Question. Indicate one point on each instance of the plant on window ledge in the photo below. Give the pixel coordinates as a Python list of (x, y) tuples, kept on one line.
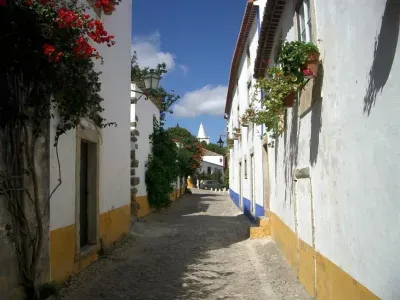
[(236, 131), (248, 117), (279, 91), (299, 59), (230, 143)]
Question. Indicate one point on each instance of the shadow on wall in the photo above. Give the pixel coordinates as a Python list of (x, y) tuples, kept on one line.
[(316, 119), (384, 53), (291, 158)]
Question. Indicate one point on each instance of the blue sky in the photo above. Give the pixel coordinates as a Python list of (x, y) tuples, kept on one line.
[(196, 40)]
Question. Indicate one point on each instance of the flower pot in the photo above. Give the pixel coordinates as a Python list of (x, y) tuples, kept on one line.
[(311, 68), (289, 100)]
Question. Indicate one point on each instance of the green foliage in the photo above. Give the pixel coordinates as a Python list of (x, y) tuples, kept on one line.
[(214, 148), (226, 178), (293, 57), (280, 82), (71, 87), (189, 150), (161, 167), (166, 98)]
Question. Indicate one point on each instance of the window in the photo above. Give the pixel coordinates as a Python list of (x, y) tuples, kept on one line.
[(304, 21), (209, 170), (245, 169)]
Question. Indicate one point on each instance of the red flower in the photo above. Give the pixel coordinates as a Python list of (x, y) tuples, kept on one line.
[(48, 49), (3, 2)]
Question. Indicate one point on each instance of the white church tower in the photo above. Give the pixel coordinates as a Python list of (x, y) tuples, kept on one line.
[(201, 135)]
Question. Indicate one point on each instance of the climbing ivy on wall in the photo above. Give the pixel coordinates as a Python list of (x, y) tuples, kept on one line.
[(162, 169)]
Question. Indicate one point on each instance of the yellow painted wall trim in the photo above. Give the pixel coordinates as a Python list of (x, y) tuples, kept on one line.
[(63, 254), (321, 277), (144, 206)]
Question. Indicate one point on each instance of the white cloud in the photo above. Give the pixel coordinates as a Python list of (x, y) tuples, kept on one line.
[(209, 100), (149, 54)]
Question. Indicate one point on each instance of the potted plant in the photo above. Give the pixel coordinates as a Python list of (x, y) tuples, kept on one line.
[(280, 87), (244, 121), (300, 59), (230, 143), (248, 116), (236, 131)]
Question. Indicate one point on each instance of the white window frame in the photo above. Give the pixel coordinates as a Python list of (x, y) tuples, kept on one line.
[(304, 21)]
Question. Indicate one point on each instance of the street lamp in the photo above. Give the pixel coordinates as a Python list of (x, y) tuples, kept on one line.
[(151, 81), (220, 142)]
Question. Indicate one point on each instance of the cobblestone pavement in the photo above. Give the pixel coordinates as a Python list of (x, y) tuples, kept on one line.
[(196, 249)]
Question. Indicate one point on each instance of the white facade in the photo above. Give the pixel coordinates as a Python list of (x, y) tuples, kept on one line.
[(211, 162), (142, 117), (114, 160), (246, 169), (343, 202)]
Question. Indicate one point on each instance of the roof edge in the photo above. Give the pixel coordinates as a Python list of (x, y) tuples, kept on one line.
[(247, 22), (271, 18)]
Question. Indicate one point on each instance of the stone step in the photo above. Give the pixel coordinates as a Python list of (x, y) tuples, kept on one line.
[(263, 221), (259, 232), (262, 230)]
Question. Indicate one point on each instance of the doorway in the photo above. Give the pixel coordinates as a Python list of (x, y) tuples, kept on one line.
[(83, 192), (87, 189), (266, 187), (253, 184), (240, 185)]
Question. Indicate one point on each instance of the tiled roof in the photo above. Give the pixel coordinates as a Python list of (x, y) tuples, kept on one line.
[(210, 153), (247, 22), (272, 15)]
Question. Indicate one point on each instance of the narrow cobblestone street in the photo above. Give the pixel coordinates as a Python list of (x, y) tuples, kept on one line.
[(197, 249)]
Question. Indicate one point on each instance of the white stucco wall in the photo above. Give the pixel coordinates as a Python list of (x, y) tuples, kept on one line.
[(349, 141), (144, 110), (115, 141), (216, 160), (250, 141)]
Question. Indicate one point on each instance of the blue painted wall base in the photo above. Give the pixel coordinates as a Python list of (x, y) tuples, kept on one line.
[(259, 212)]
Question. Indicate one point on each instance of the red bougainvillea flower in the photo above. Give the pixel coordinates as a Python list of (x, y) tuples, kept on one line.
[(3, 2), (83, 49), (107, 5), (50, 52)]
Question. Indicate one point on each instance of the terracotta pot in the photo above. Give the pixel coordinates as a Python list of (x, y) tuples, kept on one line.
[(311, 68), (289, 100)]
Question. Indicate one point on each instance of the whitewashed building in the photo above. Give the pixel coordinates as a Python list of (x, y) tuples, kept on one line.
[(332, 193), (143, 111), (246, 172), (211, 163), (78, 229)]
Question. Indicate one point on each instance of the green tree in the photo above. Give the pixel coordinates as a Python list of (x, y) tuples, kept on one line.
[(190, 151), (162, 169)]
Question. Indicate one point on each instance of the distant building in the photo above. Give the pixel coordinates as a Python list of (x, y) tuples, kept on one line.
[(211, 163)]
